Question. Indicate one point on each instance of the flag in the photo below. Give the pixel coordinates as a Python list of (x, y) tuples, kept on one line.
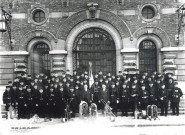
[(91, 78)]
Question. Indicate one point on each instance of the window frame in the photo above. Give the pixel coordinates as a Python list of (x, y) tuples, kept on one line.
[(146, 12), (38, 11), (32, 13), (155, 9)]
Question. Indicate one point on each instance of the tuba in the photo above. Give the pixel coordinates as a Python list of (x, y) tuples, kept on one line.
[(152, 112), (93, 110), (83, 109)]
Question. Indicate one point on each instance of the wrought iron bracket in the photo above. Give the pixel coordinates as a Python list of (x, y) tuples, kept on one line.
[(8, 19), (181, 23)]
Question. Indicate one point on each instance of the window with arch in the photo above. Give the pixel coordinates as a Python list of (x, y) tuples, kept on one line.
[(97, 46), (147, 56), (39, 16), (41, 59)]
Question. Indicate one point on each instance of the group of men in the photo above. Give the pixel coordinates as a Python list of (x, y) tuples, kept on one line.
[(48, 96)]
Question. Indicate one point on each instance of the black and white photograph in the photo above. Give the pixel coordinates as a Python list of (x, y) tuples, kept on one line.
[(87, 67)]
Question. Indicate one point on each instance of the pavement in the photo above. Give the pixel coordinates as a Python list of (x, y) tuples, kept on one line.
[(171, 125)]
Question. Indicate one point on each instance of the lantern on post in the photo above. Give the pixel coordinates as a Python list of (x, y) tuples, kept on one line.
[(5, 24), (2, 24), (181, 21)]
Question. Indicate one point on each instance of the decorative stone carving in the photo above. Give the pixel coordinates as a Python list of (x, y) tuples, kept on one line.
[(92, 7)]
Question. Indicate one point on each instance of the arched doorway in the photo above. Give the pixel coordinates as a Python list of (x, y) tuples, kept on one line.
[(147, 56), (95, 45), (41, 59)]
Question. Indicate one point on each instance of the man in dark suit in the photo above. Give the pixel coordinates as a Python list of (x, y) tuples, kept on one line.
[(176, 94)]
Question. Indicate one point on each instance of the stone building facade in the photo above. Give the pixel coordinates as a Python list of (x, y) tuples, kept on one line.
[(116, 35)]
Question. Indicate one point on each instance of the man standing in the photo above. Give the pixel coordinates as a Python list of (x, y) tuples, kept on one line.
[(176, 94), (104, 95), (114, 98), (7, 99), (95, 90), (30, 102), (163, 95), (144, 97), (21, 103), (134, 97), (124, 96)]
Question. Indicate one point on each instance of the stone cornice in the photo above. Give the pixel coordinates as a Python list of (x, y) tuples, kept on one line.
[(130, 50), (8, 53), (172, 49), (58, 52)]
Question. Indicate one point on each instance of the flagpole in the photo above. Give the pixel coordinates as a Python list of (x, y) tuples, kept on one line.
[(91, 78)]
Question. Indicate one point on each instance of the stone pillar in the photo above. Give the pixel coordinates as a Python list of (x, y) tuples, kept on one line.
[(168, 65), (8, 65), (58, 61), (174, 61), (130, 61)]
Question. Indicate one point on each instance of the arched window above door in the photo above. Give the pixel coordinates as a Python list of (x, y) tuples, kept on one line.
[(95, 45), (147, 56), (40, 59)]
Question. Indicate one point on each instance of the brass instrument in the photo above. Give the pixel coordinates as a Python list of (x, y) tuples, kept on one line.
[(67, 113), (152, 112), (83, 109), (93, 110), (4, 113), (108, 110)]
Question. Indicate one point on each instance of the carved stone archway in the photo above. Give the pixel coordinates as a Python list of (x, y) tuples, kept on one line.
[(97, 24)]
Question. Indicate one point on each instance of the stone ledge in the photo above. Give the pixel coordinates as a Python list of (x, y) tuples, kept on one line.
[(58, 52), (171, 49), (127, 50), (7, 53)]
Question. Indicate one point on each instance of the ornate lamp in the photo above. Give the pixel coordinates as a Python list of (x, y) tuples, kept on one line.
[(5, 23), (181, 20), (2, 24)]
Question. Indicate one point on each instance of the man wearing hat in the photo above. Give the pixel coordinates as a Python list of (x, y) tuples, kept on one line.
[(86, 95), (114, 98), (7, 98), (120, 74), (176, 94), (60, 102), (124, 97), (168, 76), (29, 79), (104, 95), (21, 101), (52, 100), (101, 81), (163, 96), (30, 102), (144, 97), (16, 82), (95, 90), (134, 97), (170, 86), (79, 92), (10, 84), (41, 103), (100, 74), (72, 101), (153, 95), (14, 95), (158, 85)]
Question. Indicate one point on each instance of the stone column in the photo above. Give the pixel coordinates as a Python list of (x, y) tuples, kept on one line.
[(130, 60), (58, 61)]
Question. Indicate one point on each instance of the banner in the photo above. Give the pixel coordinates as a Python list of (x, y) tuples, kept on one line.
[(91, 78)]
